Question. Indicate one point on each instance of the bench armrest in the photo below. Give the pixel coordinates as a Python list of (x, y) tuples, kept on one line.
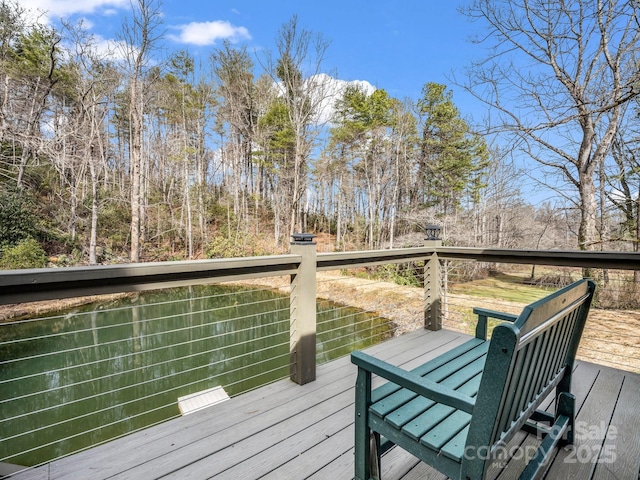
[(415, 383), (483, 316)]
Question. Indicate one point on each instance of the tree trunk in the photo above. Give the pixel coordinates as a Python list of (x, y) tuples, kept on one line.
[(636, 244), (135, 153), (93, 234)]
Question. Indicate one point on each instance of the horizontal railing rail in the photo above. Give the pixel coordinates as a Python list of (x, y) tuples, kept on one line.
[(19, 286), (369, 258), (560, 258)]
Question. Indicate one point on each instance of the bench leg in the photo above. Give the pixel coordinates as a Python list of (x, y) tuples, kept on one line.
[(561, 433), (567, 407), (364, 441), (374, 459), (535, 428)]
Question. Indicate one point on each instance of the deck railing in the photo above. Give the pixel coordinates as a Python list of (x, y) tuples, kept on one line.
[(611, 337), (19, 286)]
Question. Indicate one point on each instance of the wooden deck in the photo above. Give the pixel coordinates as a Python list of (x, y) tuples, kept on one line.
[(286, 431)]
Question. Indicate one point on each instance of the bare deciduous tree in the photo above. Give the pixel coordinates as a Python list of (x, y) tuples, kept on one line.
[(559, 74), (139, 37), (298, 71)]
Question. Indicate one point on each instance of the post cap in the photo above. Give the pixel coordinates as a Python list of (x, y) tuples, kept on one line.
[(433, 232), (303, 239)]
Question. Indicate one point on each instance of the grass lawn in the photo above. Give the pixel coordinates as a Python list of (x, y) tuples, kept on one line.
[(503, 286)]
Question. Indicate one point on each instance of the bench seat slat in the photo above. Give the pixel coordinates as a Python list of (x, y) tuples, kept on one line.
[(392, 402), (398, 418), (427, 421), (446, 430), (454, 448)]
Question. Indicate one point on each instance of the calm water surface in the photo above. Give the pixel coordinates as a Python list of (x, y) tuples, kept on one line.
[(80, 377)]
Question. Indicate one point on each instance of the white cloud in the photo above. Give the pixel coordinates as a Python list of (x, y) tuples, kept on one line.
[(86, 23), (332, 90), (112, 49), (65, 8), (207, 33), (325, 91), (107, 49)]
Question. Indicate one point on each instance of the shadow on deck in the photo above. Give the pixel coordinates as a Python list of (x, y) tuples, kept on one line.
[(287, 431)]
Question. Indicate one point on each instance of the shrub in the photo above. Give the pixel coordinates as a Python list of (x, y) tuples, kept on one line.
[(222, 247), (16, 220), (26, 254), (114, 223), (621, 293), (409, 274)]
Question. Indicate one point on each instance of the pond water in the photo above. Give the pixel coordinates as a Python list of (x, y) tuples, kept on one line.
[(81, 377)]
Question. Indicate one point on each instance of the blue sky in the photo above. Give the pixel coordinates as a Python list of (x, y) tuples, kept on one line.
[(395, 45)]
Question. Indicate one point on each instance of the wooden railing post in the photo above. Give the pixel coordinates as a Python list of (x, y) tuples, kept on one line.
[(303, 311), (432, 285)]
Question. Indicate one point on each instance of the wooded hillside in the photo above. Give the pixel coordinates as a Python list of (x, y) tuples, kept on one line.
[(120, 155)]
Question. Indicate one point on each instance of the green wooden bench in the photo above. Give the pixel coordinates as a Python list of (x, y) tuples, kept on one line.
[(458, 411)]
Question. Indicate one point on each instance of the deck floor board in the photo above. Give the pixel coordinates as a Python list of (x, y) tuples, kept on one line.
[(287, 431), (624, 430)]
